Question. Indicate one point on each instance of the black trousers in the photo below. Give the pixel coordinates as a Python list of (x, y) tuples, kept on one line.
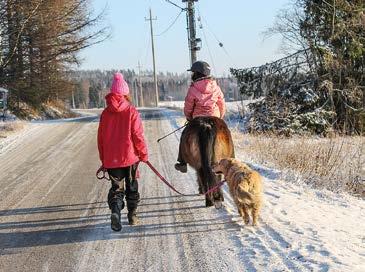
[(123, 183)]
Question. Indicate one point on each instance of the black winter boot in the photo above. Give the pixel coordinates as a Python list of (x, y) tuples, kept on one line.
[(181, 166), (115, 217), (132, 218), (132, 197)]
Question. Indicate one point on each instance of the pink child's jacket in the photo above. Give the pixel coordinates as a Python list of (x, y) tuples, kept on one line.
[(204, 98)]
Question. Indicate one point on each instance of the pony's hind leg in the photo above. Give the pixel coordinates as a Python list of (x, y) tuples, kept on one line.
[(218, 195), (203, 187), (209, 201)]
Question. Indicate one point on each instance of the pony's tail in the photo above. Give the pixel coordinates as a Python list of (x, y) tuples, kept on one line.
[(207, 135)]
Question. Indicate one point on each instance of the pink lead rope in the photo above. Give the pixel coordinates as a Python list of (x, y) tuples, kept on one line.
[(172, 187), (163, 179), (103, 176), (103, 171)]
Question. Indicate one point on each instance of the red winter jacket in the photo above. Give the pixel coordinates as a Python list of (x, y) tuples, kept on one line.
[(120, 134)]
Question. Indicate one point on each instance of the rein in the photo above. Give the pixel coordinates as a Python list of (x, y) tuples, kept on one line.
[(186, 123)]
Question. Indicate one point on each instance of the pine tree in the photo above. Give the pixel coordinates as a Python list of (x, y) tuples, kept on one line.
[(335, 31), (39, 42)]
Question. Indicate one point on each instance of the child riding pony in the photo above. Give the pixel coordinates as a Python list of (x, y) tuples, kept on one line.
[(204, 98), (206, 139)]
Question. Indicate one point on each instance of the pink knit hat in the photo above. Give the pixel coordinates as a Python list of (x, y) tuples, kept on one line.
[(119, 86)]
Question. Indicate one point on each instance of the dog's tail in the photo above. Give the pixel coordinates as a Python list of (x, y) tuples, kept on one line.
[(207, 135), (245, 196)]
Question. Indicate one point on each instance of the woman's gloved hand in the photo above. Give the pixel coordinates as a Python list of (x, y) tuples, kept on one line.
[(144, 158)]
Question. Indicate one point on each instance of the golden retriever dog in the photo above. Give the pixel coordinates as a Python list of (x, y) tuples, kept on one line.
[(245, 187)]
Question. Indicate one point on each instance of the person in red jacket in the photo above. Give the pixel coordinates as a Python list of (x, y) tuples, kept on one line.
[(204, 98), (121, 147)]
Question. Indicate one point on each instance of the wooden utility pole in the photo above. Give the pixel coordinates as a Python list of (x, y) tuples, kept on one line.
[(153, 56), (141, 103), (135, 92), (73, 100), (191, 27), (193, 41)]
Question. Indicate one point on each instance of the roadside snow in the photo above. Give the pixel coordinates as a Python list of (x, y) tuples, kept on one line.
[(13, 138), (314, 230), (53, 213), (301, 229), (35, 127), (234, 106), (234, 111)]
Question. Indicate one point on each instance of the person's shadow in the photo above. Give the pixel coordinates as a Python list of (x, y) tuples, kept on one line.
[(61, 229)]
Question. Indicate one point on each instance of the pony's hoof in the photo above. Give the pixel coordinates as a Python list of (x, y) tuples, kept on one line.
[(218, 204), (208, 203)]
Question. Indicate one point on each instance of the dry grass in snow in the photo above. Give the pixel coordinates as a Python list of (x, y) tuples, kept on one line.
[(7, 128), (337, 163)]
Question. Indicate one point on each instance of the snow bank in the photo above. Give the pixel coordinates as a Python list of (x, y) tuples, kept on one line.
[(233, 107), (301, 228)]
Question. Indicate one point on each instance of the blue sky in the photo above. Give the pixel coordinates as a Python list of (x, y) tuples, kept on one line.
[(238, 24)]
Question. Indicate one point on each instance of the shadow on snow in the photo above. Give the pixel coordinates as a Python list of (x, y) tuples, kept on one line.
[(18, 235)]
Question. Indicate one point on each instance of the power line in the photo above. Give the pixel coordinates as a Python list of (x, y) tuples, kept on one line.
[(193, 41), (210, 53), (171, 25), (172, 3), (146, 55), (144, 46), (221, 45)]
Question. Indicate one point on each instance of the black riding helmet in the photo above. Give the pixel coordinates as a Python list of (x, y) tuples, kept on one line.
[(201, 67)]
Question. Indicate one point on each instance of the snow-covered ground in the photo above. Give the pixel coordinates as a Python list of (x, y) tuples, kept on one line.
[(53, 215), (314, 230), (28, 128), (12, 138), (302, 229)]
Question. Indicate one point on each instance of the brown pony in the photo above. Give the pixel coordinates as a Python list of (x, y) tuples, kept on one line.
[(205, 141)]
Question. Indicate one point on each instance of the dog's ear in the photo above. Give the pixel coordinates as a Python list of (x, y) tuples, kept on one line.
[(224, 164), (227, 162), (231, 162)]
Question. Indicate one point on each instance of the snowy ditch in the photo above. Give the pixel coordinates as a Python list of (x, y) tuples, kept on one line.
[(301, 228)]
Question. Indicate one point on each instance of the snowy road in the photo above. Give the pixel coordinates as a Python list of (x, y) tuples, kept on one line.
[(53, 214)]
